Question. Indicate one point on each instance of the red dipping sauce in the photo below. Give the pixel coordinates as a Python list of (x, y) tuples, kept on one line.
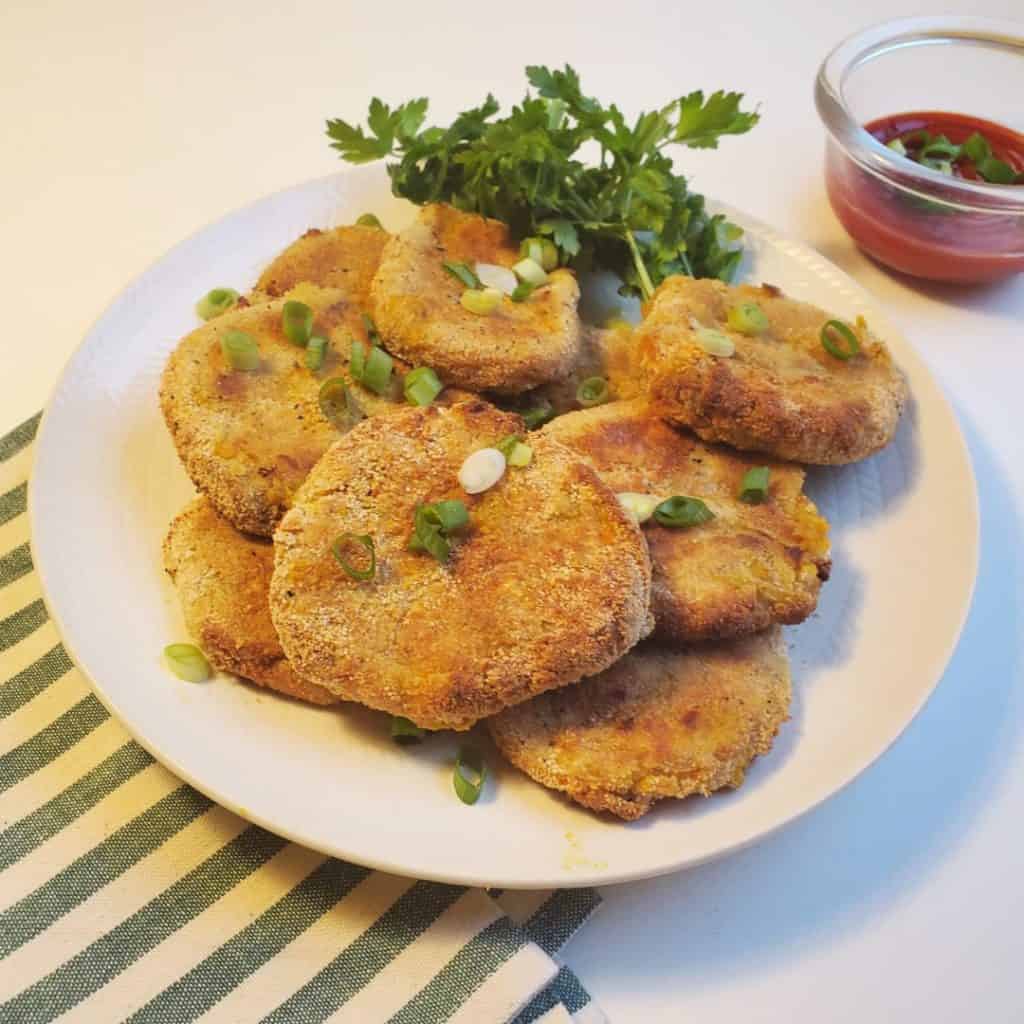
[(926, 228)]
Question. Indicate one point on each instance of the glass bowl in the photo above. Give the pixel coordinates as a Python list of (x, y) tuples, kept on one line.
[(912, 218)]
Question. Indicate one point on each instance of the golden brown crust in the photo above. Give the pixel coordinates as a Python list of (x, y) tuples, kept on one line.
[(248, 439), (223, 580), (345, 258), (749, 567), (657, 724), (416, 306), (781, 392), (550, 581)]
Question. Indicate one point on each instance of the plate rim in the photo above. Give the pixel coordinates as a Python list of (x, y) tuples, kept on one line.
[(580, 876)]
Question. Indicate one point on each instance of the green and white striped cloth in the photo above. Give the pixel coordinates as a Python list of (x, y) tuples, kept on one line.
[(127, 895)]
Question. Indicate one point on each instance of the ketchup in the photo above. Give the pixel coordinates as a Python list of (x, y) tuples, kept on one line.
[(923, 238)]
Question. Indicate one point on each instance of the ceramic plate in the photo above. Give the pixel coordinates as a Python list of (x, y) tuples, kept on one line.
[(106, 484)]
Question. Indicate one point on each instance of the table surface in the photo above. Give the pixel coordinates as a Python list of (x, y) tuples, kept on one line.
[(131, 124)]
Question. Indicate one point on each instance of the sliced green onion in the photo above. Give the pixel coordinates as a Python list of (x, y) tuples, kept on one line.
[(346, 540), (240, 350), (315, 351), (540, 250), (370, 368), (369, 220), (507, 444), (679, 512), (403, 730), (187, 662), (421, 386), (593, 391), (297, 322), (338, 404), (531, 272), (640, 506), (371, 329), (522, 292), (481, 470), (896, 145), (482, 303), (433, 523), (215, 302), (449, 515), (469, 775), (754, 488), (520, 456), (715, 343), (462, 272), (748, 318), (833, 347), (493, 275), (538, 415)]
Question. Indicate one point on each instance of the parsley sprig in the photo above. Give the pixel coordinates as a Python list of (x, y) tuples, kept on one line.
[(628, 211)]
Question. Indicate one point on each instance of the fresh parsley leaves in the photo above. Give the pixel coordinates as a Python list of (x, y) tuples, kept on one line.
[(627, 211)]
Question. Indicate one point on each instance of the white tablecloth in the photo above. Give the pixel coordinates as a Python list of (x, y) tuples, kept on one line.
[(127, 125)]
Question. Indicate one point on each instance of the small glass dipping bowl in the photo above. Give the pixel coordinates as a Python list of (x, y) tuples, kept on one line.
[(912, 218)]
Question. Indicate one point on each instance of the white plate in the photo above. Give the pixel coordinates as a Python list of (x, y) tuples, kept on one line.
[(106, 483)]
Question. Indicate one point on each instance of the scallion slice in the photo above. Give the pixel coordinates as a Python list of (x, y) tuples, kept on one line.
[(403, 730), (372, 334), (593, 391), (754, 488), (462, 272), (469, 775), (540, 250), (297, 322), (715, 343), (836, 329), (338, 404), (538, 415), (520, 456), (421, 386), (748, 318), (508, 443), (315, 351), (531, 272), (640, 506), (187, 662), (215, 302), (433, 523), (522, 292), (369, 220), (345, 542), (240, 350), (679, 512), (482, 303), (377, 371)]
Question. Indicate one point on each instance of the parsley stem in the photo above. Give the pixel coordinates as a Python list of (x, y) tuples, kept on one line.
[(646, 285)]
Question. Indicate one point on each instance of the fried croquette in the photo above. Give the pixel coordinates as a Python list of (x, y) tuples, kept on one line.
[(781, 392), (345, 258), (548, 582), (248, 438), (750, 566), (416, 304), (223, 580), (659, 723)]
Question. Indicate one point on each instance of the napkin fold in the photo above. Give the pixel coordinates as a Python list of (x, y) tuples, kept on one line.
[(126, 895)]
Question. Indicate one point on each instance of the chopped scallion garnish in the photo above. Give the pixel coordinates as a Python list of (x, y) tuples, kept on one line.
[(748, 318), (187, 662), (372, 334), (754, 488), (297, 322), (240, 350), (370, 368), (531, 272), (679, 512), (345, 543), (462, 272), (369, 220), (593, 391), (404, 730), (421, 386), (522, 292), (433, 523), (538, 415), (482, 303), (215, 302), (540, 250), (338, 404), (835, 332), (315, 351), (715, 343), (469, 775), (640, 506)]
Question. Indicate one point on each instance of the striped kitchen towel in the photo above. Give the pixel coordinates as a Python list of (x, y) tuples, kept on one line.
[(127, 895)]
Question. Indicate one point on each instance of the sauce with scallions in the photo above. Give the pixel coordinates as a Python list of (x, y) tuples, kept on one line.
[(934, 238)]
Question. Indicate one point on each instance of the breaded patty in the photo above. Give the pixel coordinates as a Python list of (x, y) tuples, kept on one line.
[(549, 582), (248, 439), (345, 258), (604, 352), (659, 723), (781, 392), (223, 581), (416, 306), (750, 566)]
